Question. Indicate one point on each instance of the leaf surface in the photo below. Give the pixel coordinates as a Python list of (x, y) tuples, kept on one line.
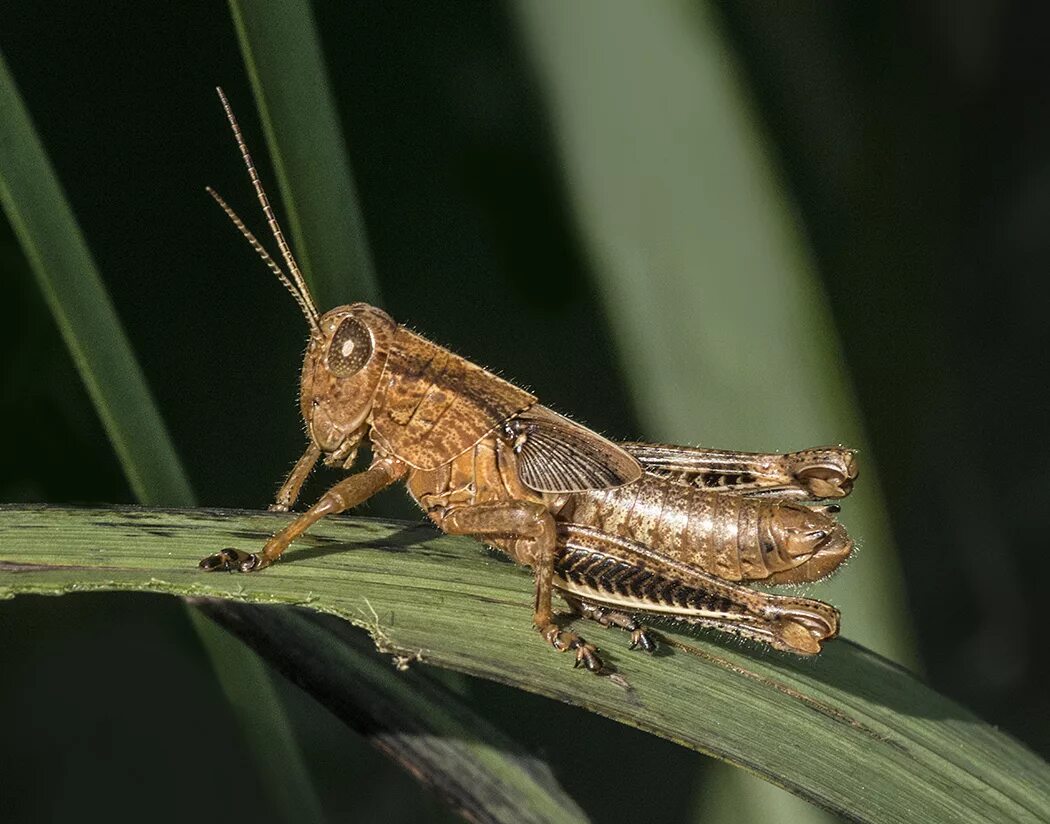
[(847, 730)]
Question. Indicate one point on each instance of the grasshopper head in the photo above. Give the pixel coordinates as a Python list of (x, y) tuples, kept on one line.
[(344, 360)]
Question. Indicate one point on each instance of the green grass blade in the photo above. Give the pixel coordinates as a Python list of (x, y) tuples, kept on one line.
[(474, 767), (847, 730), (283, 57), (723, 330), (263, 721), (35, 204)]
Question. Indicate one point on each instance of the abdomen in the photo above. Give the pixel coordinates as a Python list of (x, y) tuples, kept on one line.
[(721, 534)]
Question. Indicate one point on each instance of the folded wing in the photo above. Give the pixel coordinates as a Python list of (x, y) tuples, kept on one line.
[(556, 454)]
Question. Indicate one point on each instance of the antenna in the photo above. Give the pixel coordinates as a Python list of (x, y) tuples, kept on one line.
[(308, 309), (304, 297)]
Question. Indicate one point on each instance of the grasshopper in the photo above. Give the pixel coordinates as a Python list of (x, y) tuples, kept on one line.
[(619, 530)]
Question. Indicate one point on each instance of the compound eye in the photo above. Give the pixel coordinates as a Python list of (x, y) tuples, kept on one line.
[(350, 349)]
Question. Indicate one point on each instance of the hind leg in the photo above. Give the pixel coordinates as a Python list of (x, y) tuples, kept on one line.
[(809, 474)]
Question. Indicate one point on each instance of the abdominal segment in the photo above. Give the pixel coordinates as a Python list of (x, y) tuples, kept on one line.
[(732, 537)]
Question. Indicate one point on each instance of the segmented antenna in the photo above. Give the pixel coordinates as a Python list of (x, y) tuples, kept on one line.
[(308, 310), (301, 290)]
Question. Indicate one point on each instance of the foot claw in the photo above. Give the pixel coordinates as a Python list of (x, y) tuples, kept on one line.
[(231, 560), (563, 641), (640, 637), (555, 637), (587, 654)]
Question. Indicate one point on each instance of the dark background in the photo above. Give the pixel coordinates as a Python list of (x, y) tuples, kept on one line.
[(915, 140)]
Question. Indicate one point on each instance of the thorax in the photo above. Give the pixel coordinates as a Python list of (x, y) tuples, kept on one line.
[(485, 473)]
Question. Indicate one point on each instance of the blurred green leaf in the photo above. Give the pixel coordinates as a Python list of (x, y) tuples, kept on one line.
[(847, 730), (60, 259), (54, 246), (263, 720), (284, 61), (721, 324), (418, 722), (722, 327)]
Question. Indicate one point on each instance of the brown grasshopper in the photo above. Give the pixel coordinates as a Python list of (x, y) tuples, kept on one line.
[(619, 530)]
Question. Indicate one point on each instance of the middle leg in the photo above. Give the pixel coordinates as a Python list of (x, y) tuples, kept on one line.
[(535, 543), (640, 635)]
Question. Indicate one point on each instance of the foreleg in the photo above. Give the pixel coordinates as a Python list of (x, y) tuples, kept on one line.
[(288, 494), (346, 494)]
